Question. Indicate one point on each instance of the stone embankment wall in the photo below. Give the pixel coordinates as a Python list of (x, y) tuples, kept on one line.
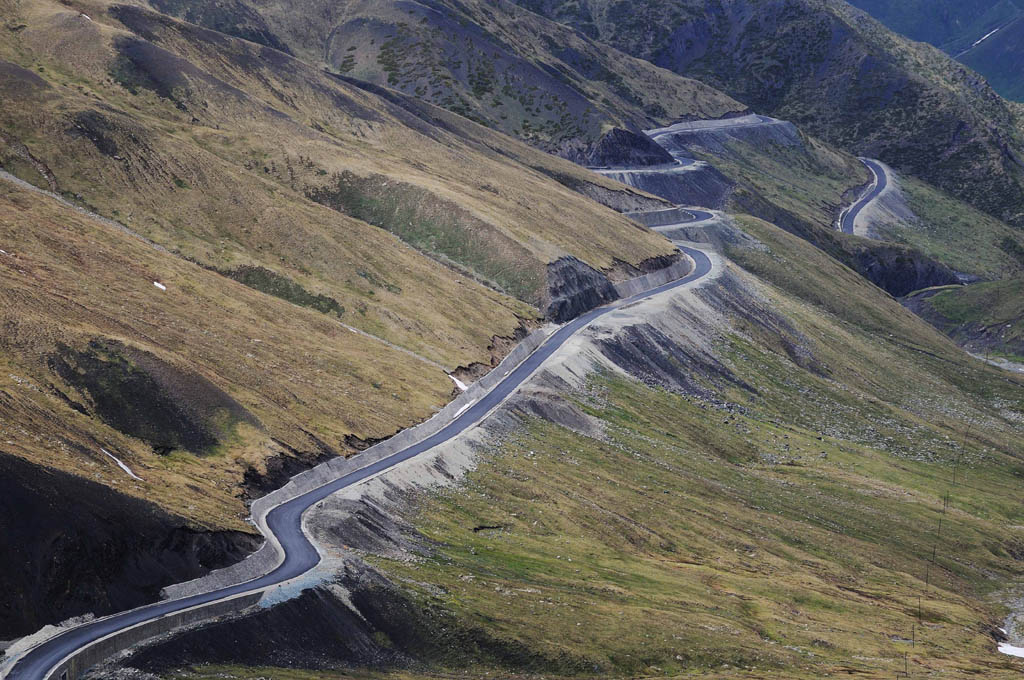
[(76, 666), (661, 218), (697, 183)]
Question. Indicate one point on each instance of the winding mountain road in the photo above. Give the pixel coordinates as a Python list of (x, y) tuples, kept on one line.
[(750, 120), (680, 165), (880, 182), (285, 520)]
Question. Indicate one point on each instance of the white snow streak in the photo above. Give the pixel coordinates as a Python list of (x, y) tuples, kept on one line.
[(984, 38), (458, 383), (121, 465), (1006, 648)]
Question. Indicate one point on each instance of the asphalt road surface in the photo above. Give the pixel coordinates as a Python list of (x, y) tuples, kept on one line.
[(285, 520), (679, 165), (749, 120), (881, 181)]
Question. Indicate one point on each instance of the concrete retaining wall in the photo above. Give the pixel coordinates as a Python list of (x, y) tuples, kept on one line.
[(647, 282), (660, 218), (108, 647)]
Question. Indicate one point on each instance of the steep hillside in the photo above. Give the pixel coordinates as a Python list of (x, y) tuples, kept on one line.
[(797, 182), (758, 477), (984, 318), (966, 239), (767, 168), (947, 24), (221, 265), (508, 69), (836, 73), (241, 237), (984, 34), (344, 145), (997, 55)]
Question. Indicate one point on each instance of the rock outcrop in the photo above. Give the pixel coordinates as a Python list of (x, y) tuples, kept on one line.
[(575, 288), (620, 148)]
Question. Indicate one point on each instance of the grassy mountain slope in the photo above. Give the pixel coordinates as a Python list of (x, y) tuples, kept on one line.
[(511, 70), (785, 530), (326, 250), (772, 514), (984, 34), (208, 182), (985, 318), (947, 24), (999, 56), (802, 183), (838, 74), (953, 232), (327, 255)]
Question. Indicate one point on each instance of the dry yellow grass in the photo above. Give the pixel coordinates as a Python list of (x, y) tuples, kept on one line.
[(211, 154), (68, 279)]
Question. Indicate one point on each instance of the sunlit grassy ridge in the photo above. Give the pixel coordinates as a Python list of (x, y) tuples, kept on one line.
[(68, 280), (210, 147)]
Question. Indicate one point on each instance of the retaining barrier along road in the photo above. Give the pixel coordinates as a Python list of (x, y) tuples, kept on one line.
[(294, 498)]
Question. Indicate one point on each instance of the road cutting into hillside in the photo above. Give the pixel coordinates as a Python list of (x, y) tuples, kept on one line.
[(750, 120), (285, 520), (879, 182)]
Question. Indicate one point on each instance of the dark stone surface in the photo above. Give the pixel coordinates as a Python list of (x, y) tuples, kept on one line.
[(71, 546), (620, 148), (18, 81), (575, 287), (899, 270)]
